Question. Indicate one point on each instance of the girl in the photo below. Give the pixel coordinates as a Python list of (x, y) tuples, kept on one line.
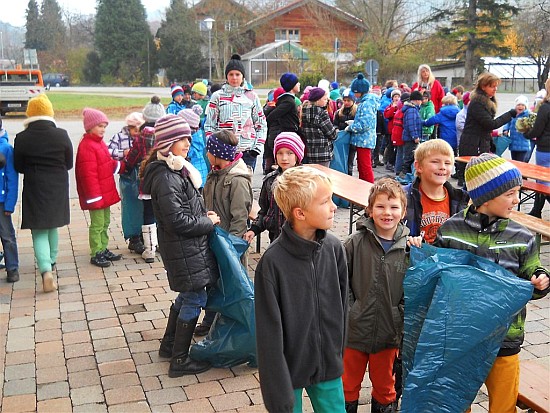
[(520, 147), (183, 226), (343, 117)]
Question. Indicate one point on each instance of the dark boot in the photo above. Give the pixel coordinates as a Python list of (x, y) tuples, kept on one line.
[(167, 342), (181, 364), (351, 407), (377, 407), (135, 244), (536, 211)]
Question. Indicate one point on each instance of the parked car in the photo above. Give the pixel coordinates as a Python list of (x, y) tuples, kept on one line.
[(55, 79)]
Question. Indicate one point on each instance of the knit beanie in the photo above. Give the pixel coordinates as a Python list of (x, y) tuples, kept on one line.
[(324, 84), (395, 92), (191, 117), (316, 93), (199, 88), (176, 90), (466, 98), (93, 117), (135, 119), (277, 92), (153, 110), (488, 176), (334, 85), (405, 96), (416, 95), (40, 106), (348, 94), (360, 84), (521, 100), (235, 64), (292, 141), (288, 81), (168, 130), (334, 94)]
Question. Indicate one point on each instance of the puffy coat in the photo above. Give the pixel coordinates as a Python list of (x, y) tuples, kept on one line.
[(363, 128), (43, 153), (541, 128), (94, 172), (412, 124), (427, 110), (8, 175), (270, 216), (282, 118), (518, 143), (397, 127), (446, 119), (182, 228), (318, 133)]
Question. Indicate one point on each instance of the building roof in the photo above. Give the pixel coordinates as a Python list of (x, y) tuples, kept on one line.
[(511, 68)]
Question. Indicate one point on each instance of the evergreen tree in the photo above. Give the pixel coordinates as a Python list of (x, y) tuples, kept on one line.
[(34, 36), (180, 44), (52, 27), (124, 42)]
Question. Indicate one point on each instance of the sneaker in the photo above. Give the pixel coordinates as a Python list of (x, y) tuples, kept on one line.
[(111, 256), (48, 282), (99, 260), (136, 245), (13, 276)]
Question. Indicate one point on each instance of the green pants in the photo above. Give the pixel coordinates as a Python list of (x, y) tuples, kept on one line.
[(45, 245), (97, 233), (326, 397)]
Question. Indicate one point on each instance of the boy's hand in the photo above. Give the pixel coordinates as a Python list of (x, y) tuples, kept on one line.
[(414, 241), (540, 280), (249, 236), (213, 217)]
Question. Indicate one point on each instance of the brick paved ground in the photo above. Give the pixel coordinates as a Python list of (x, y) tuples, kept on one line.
[(92, 345)]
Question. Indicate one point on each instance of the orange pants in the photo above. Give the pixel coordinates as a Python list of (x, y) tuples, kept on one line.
[(503, 385), (380, 374)]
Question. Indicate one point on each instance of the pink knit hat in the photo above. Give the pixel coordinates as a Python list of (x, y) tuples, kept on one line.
[(191, 117), (292, 141), (93, 117), (168, 130), (135, 119)]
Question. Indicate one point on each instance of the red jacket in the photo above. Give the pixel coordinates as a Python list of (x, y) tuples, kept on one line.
[(94, 172), (397, 128), (389, 113), (437, 93)]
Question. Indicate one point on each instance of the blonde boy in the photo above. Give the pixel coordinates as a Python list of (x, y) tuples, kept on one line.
[(302, 272)]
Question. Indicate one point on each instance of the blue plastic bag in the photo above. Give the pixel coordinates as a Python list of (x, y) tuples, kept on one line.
[(232, 337), (340, 161), (458, 308)]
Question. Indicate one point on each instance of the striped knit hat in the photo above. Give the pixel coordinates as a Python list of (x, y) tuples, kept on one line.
[(292, 141), (488, 176), (168, 130)]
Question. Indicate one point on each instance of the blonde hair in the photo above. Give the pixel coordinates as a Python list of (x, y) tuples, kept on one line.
[(297, 187), (449, 100), (391, 188), (431, 77), (431, 147), (486, 79)]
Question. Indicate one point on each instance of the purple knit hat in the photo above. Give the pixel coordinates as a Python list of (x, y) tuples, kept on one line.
[(168, 130)]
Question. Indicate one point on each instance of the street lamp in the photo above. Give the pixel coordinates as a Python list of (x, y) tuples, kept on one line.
[(209, 22)]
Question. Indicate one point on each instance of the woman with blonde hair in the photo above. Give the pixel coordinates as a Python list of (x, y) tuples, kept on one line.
[(426, 81)]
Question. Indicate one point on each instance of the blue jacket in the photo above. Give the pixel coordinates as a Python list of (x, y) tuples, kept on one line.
[(412, 123), (197, 153), (10, 177), (446, 119), (518, 143), (363, 128)]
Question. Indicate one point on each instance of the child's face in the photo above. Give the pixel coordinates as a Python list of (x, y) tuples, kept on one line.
[(286, 158), (435, 169), (234, 78), (181, 147), (320, 213), (386, 214), (196, 96), (395, 98), (99, 130), (178, 98), (296, 88), (520, 107), (502, 205), (348, 103), (134, 132)]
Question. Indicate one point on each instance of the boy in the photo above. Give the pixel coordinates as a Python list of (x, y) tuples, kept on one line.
[(485, 229), (200, 96), (375, 324), (427, 110), (412, 131), (301, 290), (431, 200)]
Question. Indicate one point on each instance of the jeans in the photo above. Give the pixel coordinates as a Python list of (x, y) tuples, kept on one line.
[(189, 304), (7, 235), (45, 245), (97, 233), (408, 156), (249, 159), (398, 159)]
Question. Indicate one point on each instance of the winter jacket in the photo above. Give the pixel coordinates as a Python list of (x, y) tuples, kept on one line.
[(43, 153), (363, 128), (270, 217), (480, 122), (119, 143), (282, 118), (427, 110), (197, 153), (376, 288), (459, 123), (95, 170), (458, 201), (228, 192), (318, 133), (239, 110), (504, 242), (182, 228), (295, 277), (175, 107), (541, 128), (8, 175), (436, 91), (518, 142), (412, 124), (343, 115), (397, 128), (446, 119)]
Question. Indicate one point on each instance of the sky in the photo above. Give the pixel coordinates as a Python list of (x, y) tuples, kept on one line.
[(15, 13)]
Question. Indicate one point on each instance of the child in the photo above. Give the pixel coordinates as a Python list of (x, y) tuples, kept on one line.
[(485, 229), (197, 151), (132, 206), (458, 92), (95, 184), (397, 133), (342, 118), (375, 325), (177, 103), (289, 152), (302, 272), (412, 131), (446, 119), (427, 110), (389, 114), (431, 199), (8, 199), (520, 146), (200, 96), (183, 226)]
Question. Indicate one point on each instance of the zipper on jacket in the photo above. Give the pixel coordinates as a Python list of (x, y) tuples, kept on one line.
[(317, 309)]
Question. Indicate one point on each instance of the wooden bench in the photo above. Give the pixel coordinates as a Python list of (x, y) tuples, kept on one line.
[(534, 385), (533, 188), (540, 227)]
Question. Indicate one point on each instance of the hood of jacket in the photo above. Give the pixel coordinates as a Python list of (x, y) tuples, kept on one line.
[(237, 168), (479, 96), (449, 111), (409, 105)]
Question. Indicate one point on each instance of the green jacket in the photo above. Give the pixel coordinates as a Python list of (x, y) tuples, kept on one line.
[(427, 110)]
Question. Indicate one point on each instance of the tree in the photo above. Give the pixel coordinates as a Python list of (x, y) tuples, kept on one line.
[(34, 36), (124, 42), (180, 44), (52, 28)]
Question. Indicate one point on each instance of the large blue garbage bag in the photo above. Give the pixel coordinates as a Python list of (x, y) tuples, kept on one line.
[(340, 161), (458, 308), (132, 207), (232, 337)]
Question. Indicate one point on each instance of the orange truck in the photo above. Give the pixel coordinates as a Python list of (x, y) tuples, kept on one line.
[(17, 87)]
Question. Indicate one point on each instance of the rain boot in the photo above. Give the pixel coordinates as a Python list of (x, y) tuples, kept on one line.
[(150, 241), (377, 407), (351, 407), (167, 342), (536, 211), (181, 364)]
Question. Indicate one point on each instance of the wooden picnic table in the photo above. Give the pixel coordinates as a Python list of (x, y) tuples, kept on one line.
[(527, 170)]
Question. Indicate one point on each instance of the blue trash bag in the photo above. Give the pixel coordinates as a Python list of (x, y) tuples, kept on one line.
[(501, 144), (340, 161), (458, 308), (232, 337), (132, 207)]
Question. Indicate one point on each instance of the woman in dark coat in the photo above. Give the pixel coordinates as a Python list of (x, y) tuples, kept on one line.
[(43, 153), (480, 120)]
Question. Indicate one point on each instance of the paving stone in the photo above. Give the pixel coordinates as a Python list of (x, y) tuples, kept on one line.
[(104, 323), (200, 390), (91, 408), (230, 401), (71, 326), (49, 324), (197, 405), (47, 335), (51, 375), (20, 339), (165, 396), (150, 383), (144, 346), (19, 387), (112, 355), (18, 372), (55, 390), (84, 378), (44, 361), (75, 337), (19, 322), (136, 407), (49, 347), (81, 364), (155, 369), (130, 394), (110, 343), (87, 395), (18, 404), (116, 367), (19, 357), (118, 381), (59, 405), (239, 383), (79, 350)]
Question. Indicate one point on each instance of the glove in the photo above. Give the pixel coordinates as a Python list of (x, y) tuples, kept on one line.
[(254, 152), (513, 113)]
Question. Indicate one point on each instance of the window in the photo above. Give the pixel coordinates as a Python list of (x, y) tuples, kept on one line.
[(231, 25), (287, 34)]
